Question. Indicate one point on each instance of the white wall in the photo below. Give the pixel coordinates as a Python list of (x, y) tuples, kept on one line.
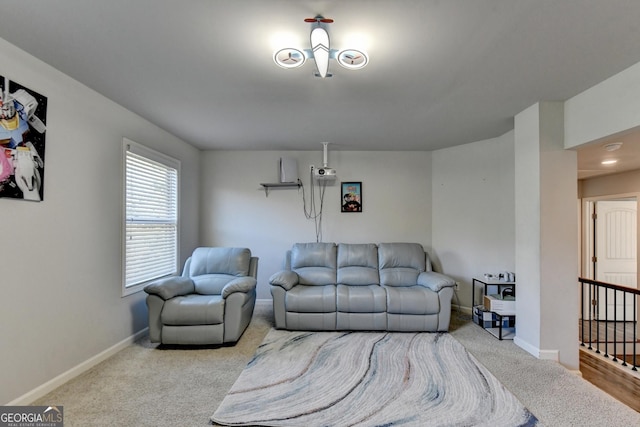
[(608, 185), (474, 210), (61, 278), (546, 236), (527, 247), (396, 190), (608, 108)]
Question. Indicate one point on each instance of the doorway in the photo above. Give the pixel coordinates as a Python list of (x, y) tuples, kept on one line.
[(610, 247)]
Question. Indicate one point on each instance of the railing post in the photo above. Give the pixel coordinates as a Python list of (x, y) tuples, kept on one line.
[(635, 330), (590, 311), (582, 313), (624, 329), (606, 323)]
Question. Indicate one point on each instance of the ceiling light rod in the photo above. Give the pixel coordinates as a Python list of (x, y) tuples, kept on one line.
[(325, 156), (320, 51)]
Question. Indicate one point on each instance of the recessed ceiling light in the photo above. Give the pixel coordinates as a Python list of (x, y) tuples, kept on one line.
[(609, 162), (613, 146)]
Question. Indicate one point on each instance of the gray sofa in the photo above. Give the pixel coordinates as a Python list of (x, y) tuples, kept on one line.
[(389, 286), (210, 303)]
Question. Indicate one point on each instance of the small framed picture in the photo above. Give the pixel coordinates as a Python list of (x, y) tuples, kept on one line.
[(351, 197)]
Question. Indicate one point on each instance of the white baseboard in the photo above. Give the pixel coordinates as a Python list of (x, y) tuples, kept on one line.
[(536, 352), (550, 355), (29, 397), (264, 301), (462, 309)]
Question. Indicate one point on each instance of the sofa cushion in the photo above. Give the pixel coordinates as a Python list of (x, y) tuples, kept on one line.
[(412, 300), (315, 263), (361, 299), (311, 299), (400, 263), (193, 309), (358, 264)]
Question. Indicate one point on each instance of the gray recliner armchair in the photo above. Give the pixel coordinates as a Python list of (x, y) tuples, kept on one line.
[(210, 303)]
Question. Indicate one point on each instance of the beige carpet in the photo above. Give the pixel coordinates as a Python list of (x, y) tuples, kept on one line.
[(147, 385)]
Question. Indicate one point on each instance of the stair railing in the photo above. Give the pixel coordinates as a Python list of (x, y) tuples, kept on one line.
[(600, 308)]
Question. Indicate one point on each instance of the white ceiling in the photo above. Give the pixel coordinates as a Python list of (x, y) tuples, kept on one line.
[(441, 73)]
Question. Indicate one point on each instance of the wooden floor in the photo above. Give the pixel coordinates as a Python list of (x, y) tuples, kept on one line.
[(620, 382), (611, 376)]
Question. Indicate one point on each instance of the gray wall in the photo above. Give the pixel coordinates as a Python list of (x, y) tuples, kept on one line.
[(61, 299), (235, 211), (474, 210)]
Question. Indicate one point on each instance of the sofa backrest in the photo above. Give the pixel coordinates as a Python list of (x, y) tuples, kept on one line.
[(358, 264), (212, 268), (315, 263), (400, 263)]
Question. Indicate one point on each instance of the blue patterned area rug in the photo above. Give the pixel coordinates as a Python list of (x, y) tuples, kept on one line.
[(307, 379)]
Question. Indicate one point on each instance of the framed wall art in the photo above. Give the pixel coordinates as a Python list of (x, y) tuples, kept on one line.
[(351, 197), (23, 114)]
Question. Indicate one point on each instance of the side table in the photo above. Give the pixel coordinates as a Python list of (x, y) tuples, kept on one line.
[(499, 331), (501, 317), (488, 282)]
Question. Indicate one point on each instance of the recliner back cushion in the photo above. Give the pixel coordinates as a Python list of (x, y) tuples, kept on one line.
[(400, 263), (315, 263), (358, 264), (212, 268)]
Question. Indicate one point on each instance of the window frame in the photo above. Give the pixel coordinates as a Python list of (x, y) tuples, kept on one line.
[(169, 162)]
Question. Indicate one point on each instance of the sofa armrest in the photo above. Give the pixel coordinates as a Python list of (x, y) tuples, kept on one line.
[(285, 279), (170, 287), (240, 284), (435, 281)]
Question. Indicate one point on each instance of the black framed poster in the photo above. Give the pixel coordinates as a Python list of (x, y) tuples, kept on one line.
[(351, 197)]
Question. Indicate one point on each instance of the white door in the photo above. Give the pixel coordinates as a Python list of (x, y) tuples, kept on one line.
[(616, 243)]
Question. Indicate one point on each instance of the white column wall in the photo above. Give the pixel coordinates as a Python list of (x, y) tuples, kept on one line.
[(527, 235), (546, 236)]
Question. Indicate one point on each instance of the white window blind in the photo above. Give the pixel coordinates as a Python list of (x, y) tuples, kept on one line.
[(151, 213)]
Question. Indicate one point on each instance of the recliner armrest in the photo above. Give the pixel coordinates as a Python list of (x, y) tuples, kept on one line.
[(170, 287), (285, 279), (241, 284), (435, 281)]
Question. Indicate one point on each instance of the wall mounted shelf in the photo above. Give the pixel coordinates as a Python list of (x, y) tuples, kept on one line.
[(268, 185)]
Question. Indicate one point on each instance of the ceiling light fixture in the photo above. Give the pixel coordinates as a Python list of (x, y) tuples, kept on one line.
[(613, 146), (609, 162), (320, 51)]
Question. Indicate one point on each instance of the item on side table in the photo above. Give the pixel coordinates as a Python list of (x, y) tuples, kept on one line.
[(500, 303)]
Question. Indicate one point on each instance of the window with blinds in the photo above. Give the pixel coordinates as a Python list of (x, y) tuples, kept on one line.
[(151, 216)]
